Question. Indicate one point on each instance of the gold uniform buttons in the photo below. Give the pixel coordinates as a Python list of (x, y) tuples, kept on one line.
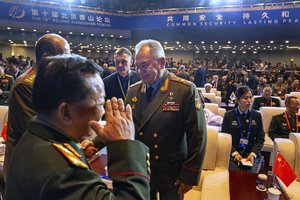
[(156, 157), (155, 135), (148, 156), (140, 133), (155, 146)]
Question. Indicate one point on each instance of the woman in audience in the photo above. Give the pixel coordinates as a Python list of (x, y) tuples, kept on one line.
[(245, 127)]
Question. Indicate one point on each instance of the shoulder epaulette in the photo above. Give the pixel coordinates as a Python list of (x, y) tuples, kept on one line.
[(8, 76), (135, 84), (30, 76), (69, 153), (180, 80)]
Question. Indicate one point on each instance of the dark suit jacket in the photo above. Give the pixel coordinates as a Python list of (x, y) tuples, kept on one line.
[(173, 126), (279, 128), (113, 88), (200, 77), (256, 138), (49, 174), (261, 101)]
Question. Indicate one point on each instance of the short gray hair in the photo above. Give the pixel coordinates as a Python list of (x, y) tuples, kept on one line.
[(155, 47)]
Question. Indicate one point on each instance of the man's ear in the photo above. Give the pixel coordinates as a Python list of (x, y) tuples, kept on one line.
[(64, 113)]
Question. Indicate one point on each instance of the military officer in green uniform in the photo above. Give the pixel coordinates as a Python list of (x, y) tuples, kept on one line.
[(20, 98), (6, 82), (289, 121), (68, 95), (169, 119)]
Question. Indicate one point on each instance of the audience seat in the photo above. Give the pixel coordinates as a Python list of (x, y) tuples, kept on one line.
[(213, 107), (3, 116), (290, 150), (214, 181), (267, 113), (296, 94)]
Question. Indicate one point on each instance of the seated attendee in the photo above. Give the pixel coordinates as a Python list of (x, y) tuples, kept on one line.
[(266, 99), (182, 74), (279, 88), (282, 125), (245, 127), (216, 83), (294, 87), (207, 87), (6, 82), (68, 96), (260, 88)]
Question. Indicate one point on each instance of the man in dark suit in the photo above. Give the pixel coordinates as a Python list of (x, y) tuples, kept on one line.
[(266, 99), (117, 84), (289, 121), (200, 75), (68, 96), (169, 119)]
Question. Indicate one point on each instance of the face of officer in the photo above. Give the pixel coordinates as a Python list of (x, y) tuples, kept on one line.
[(149, 67), (244, 102), (123, 63), (267, 92), (90, 109), (293, 107)]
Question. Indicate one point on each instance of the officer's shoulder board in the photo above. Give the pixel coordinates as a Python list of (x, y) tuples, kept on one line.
[(30, 76), (70, 154), (181, 81), (136, 84), (7, 76)]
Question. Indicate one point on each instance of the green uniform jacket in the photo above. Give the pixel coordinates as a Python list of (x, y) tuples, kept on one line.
[(173, 126), (39, 170), (6, 82), (279, 127), (20, 112)]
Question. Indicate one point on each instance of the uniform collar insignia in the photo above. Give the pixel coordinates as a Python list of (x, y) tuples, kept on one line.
[(134, 99)]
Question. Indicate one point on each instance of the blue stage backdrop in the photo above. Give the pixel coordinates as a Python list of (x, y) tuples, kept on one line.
[(66, 16)]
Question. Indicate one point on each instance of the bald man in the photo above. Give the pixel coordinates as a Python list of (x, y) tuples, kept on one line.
[(20, 100)]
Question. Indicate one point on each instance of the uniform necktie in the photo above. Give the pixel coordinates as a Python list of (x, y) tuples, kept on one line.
[(149, 93)]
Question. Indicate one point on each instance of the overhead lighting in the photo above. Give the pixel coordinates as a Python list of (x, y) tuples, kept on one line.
[(287, 41), (177, 42), (242, 42), (233, 52), (111, 35), (256, 42), (229, 42), (81, 33), (244, 52), (92, 34), (70, 33), (217, 51), (59, 32), (226, 47), (202, 42), (121, 36), (34, 30), (255, 52), (271, 41), (47, 31), (22, 29), (216, 42), (8, 28), (102, 35)]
